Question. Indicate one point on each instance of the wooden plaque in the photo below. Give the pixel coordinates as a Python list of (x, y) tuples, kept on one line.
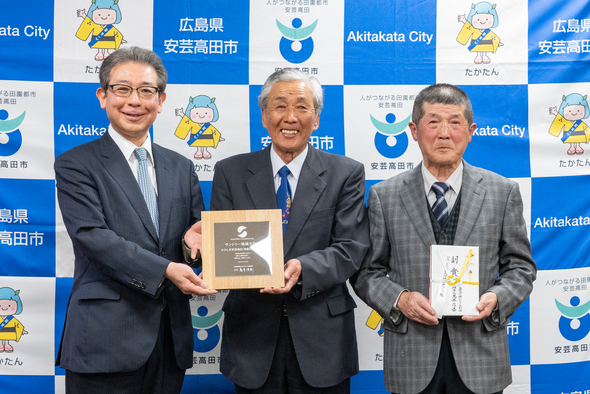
[(243, 249)]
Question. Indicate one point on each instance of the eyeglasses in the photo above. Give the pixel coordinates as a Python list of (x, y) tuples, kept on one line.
[(144, 92)]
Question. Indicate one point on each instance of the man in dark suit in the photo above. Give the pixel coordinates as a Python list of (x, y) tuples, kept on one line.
[(299, 338), (423, 354), (128, 327)]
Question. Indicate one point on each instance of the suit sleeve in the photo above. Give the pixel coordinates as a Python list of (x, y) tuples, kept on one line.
[(517, 270), (372, 283), (326, 268), (106, 251)]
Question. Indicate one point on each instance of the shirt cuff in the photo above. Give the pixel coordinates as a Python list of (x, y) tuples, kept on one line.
[(395, 313)]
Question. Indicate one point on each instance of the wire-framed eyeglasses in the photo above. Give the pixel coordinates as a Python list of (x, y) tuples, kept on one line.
[(144, 92)]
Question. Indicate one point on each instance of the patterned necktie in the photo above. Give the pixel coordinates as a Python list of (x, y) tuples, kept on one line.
[(146, 186), (284, 196), (440, 209)]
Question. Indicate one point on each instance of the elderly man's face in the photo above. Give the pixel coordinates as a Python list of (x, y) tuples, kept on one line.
[(131, 116), (290, 118), (443, 135)]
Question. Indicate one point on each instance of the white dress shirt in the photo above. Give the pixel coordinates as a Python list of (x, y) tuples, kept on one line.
[(294, 166), (127, 148)]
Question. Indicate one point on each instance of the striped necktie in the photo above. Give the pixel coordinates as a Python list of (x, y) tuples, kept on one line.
[(440, 209), (146, 186)]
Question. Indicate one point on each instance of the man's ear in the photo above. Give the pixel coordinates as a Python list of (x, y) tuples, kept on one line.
[(316, 124), (414, 130), (263, 112), (162, 98), (102, 97), (472, 130)]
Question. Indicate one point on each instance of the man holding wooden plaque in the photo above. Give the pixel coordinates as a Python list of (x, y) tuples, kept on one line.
[(299, 338)]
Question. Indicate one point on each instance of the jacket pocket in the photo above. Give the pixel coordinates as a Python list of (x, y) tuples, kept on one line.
[(340, 304), (401, 327), (107, 290)]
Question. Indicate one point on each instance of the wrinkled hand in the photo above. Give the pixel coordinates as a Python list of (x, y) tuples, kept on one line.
[(487, 303), (186, 280), (193, 239), (292, 273), (416, 307)]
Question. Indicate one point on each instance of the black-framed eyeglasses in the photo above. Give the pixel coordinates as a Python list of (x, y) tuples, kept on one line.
[(144, 92)]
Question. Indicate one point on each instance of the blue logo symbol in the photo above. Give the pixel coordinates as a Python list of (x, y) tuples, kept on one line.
[(11, 138), (390, 140), (296, 45), (206, 332), (574, 325)]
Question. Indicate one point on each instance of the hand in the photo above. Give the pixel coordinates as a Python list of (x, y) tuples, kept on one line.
[(186, 280), (553, 111), (292, 273), (461, 18), (193, 239), (416, 307), (179, 112), (485, 306), (81, 13)]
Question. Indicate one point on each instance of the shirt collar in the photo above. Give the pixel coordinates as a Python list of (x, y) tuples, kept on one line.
[(294, 166), (455, 180), (127, 147)]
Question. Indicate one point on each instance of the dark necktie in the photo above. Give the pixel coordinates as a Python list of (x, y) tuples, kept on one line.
[(284, 196), (440, 209), (146, 186)]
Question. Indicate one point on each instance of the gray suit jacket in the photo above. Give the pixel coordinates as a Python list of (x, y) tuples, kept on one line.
[(328, 232), (401, 234), (115, 306)]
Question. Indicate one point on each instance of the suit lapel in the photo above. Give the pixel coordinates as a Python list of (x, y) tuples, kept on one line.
[(117, 166), (261, 184), (415, 203), (165, 186), (310, 187), (472, 196)]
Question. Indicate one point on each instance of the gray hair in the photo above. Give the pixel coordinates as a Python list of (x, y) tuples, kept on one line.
[(288, 75), (442, 93), (133, 55)]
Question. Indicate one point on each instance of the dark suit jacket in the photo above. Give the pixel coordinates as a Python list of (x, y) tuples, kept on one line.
[(490, 217), (115, 307), (328, 233)]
